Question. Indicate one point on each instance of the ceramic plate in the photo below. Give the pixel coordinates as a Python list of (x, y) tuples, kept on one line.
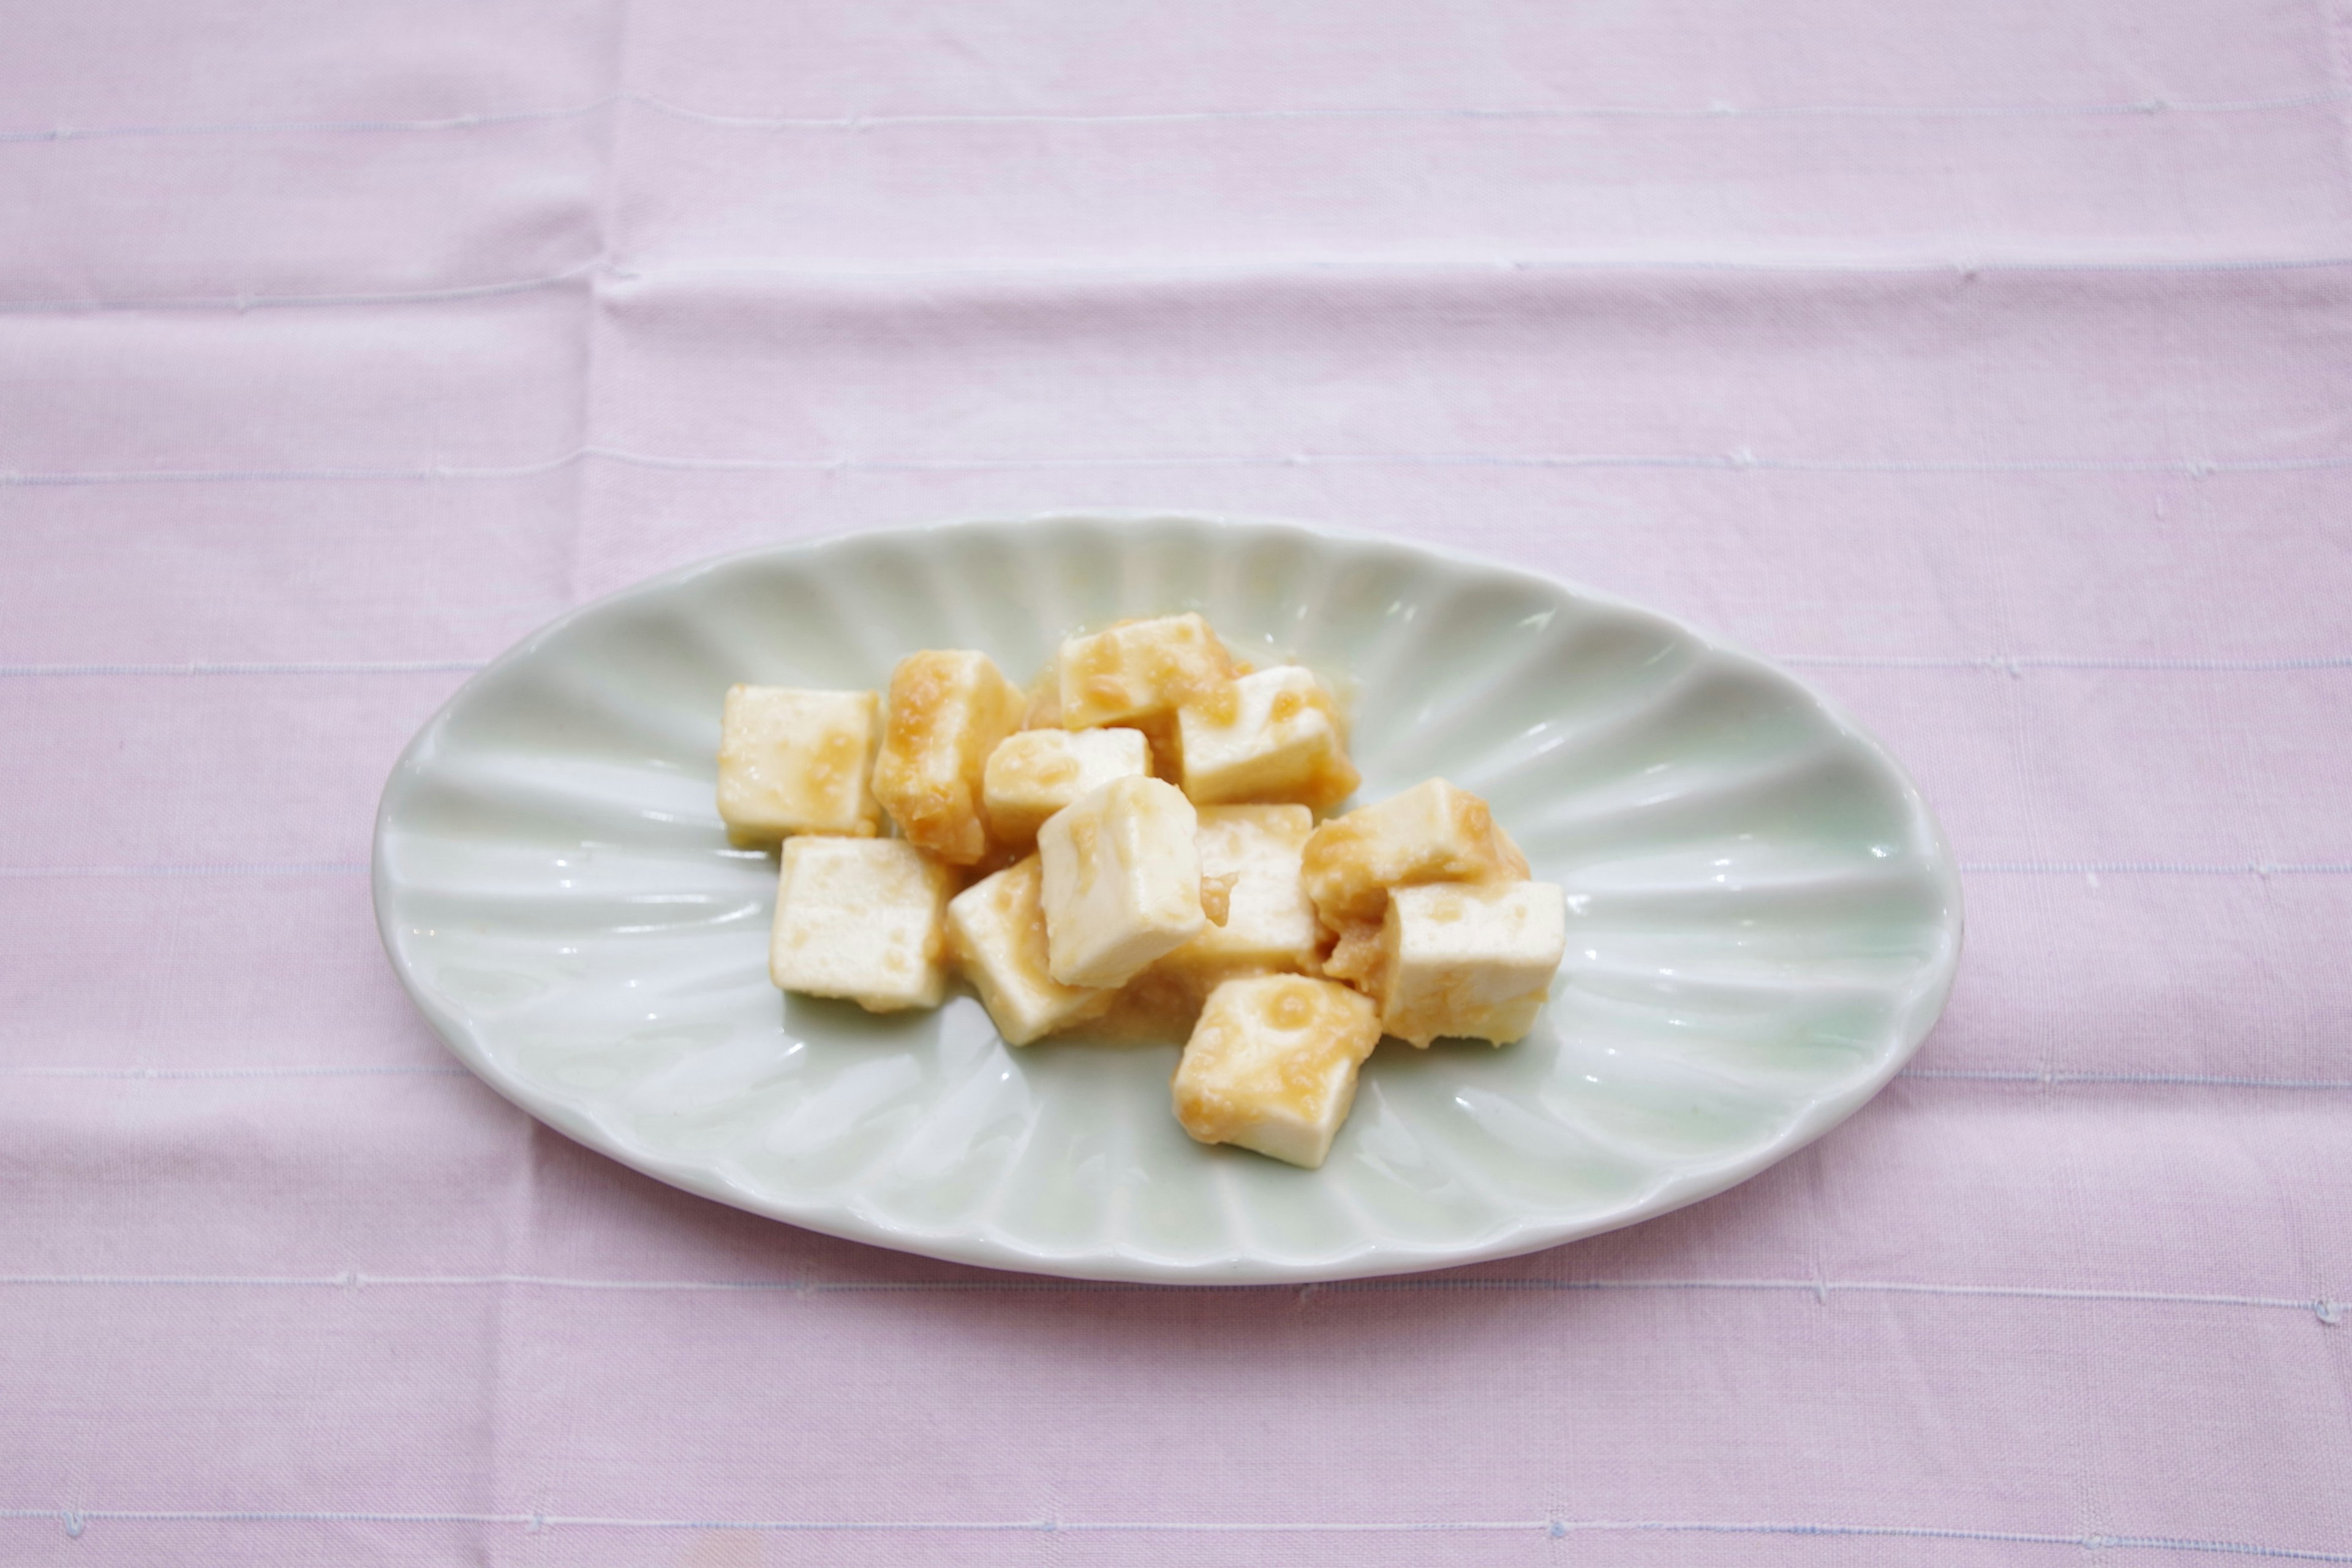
[(1764, 919)]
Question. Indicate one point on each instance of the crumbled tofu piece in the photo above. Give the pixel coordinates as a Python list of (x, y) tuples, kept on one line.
[(1122, 882), (997, 927), (1217, 896), (1276, 735), (1032, 774), (796, 762), (1431, 833), (863, 919), (949, 709), (1140, 670), (1476, 961), (1268, 924), (1272, 1063)]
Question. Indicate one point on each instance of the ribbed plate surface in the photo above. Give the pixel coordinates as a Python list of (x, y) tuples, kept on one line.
[(1764, 921)]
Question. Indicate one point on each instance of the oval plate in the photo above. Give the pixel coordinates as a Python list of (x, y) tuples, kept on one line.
[(1764, 919)]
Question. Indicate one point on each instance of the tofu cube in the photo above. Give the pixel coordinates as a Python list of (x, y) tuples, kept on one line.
[(1122, 882), (797, 761), (1431, 833), (996, 928), (948, 711), (1272, 1063), (863, 919), (1456, 958), (1034, 773), (1269, 926), (1275, 735), (1139, 670)]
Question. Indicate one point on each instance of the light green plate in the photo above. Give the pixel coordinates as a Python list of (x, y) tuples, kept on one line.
[(1763, 918)]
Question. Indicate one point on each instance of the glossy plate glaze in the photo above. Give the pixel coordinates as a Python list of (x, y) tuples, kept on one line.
[(1764, 919)]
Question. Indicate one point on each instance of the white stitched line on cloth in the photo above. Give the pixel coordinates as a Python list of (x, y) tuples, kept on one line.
[(258, 476), (1718, 110), (388, 666), (257, 868), (451, 122), (1938, 265), (2265, 868), (76, 1520), (1965, 268), (295, 301), (230, 1074), (2126, 1079), (493, 120), (2011, 664), (1740, 461), (2155, 868), (2327, 1311)]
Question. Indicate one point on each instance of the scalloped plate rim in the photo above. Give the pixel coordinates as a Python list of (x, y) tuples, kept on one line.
[(1920, 1008)]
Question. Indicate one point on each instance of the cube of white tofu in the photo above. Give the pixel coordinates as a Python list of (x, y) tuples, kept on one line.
[(791, 760), (1269, 926), (1275, 735), (949, 709), (1431, 833), (1272, 1063), (1034, 773), (863, 919), (1139, 670), (1122, 882), (997, 929), (1476, 961)]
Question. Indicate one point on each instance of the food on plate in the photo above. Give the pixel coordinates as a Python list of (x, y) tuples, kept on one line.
[(1431, 833), (997, 929), (1139, 833), (797, 761), (1272, 1065), (1460, 959), (1275, 734), (863, 919), (1252, 853), (1036, 773), (1123, 876), (1139, 671), (947, 712)]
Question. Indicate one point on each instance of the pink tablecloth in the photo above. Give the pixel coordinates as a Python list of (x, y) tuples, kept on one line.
[(1986, 361)]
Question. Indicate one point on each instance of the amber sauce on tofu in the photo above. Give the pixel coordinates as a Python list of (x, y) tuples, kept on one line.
[(1302, 1031), (831, 769), (1277, 1011), (1352, 861), (921, 795)]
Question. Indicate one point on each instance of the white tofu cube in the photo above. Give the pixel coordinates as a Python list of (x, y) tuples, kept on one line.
[(949, 709), (863, 919), (1275, 735), (1431, 833), (1272, 1063), (1034, 773), (1474, 962), (1139, 670), (997, 929), (797, 761), (1122, 882), (1269, 925)]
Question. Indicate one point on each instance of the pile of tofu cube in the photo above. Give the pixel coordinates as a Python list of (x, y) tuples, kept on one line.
[(1137, 845)]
